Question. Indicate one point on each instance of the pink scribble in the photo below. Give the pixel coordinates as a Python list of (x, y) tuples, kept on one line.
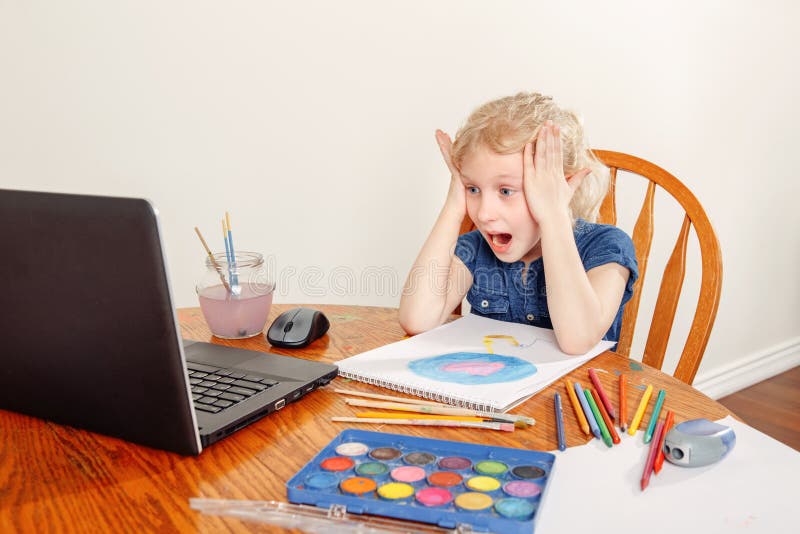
[(474, 368)]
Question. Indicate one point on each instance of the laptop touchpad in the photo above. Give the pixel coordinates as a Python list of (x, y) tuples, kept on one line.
[(218, 355)]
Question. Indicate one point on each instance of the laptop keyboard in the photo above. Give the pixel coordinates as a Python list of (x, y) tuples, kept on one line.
[(214, 388)]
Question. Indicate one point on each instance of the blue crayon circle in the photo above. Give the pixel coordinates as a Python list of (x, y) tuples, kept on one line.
[(514, 508), (320, 481), (472, 368)]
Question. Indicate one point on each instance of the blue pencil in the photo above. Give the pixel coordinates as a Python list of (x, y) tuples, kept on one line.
[(648, 435), (559, 423), (587, 411)]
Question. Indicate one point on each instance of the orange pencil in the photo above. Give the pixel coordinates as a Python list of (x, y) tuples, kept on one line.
[(623, 404), (584, 424), (606, 418), (660, 454)]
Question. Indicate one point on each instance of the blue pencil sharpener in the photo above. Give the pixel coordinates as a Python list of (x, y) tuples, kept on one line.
[(698, 442)]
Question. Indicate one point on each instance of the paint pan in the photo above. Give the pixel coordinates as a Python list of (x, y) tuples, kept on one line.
[(440, 482)]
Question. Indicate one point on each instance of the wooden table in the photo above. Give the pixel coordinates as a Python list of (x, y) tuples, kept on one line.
[(57, 478)]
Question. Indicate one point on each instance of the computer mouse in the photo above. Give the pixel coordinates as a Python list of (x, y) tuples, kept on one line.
[(297, 328)]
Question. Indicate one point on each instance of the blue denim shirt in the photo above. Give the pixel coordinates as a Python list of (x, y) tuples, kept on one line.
[(498, 291)]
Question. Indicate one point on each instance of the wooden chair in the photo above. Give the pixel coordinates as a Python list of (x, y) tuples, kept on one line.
[(672, 278)]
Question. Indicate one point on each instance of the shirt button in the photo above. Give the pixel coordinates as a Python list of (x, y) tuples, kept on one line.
[(531, 317), (484, 304)]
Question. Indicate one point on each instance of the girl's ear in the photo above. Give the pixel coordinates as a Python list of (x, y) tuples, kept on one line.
[(574, 180)]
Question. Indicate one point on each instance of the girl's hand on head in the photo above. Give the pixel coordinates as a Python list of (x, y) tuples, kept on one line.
[(456, 196), (547, 191)]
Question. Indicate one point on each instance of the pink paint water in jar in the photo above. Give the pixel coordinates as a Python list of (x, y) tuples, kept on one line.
[(243, 311)]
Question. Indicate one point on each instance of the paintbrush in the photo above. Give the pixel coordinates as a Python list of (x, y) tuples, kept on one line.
[(528, 421), (487, 425), (518, 420), (404, 415), (213, 261), (389, 398)]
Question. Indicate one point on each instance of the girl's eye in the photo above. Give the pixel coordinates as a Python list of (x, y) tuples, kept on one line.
[(506, 192), (472, 190)]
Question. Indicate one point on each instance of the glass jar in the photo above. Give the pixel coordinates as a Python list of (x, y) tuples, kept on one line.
[(235, 298)]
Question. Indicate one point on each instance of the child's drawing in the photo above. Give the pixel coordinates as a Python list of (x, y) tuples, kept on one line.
[(475, 368)]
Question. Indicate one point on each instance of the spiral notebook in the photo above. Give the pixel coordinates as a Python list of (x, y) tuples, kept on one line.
[(475, 362)]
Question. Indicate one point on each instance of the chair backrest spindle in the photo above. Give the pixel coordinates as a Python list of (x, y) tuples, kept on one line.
[(667, 302), (642, 240), (608, 209)]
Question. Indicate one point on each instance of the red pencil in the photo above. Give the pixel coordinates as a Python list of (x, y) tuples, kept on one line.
[(607, 403), (651, 455), (659, 461), (623, 404), (606, 418)]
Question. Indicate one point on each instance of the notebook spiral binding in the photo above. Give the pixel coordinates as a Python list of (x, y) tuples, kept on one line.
[(433, 394)]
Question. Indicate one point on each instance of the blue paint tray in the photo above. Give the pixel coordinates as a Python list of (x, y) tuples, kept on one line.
[(446, 483)]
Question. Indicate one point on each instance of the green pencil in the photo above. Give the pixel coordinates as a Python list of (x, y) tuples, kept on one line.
[(596, 412), (648, 435)]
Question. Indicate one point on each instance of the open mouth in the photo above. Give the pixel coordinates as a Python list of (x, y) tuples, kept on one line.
[(500, 242)]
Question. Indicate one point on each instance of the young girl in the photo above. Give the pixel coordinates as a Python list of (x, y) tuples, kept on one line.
[(522, 170)]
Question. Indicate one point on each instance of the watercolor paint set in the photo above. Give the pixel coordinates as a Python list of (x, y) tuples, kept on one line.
[(446, 483)]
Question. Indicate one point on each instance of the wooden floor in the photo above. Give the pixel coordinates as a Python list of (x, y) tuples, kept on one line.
[(771, 406)]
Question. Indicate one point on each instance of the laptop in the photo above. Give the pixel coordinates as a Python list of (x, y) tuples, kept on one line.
[(89, 336)]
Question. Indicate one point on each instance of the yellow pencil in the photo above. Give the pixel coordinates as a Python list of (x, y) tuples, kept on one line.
[(637, 418), (404, 415), (577, 407)]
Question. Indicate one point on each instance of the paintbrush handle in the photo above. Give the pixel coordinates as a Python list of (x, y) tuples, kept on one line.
[(213, 261), (441, 410), (402, 415), (389, 398), (506, 427)]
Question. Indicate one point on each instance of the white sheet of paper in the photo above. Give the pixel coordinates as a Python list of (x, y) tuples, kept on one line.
[(596, 489), (388, 366)]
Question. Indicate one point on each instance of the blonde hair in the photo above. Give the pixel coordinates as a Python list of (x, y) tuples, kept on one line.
[(507, 124)]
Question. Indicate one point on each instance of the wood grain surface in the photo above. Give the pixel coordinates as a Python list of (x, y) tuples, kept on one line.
[(60, 479)]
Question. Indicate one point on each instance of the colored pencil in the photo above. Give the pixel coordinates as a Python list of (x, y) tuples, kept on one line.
[(404, 415), (623, 403), (659, 461), (576, 406), (651, 455), (648, 434), (587, 411), (503, 416), (601, 393), (440, 410), (596, 412), (388, 397), (637, 417), (506, 427), (213, 260), (559, 422), (606, 419)]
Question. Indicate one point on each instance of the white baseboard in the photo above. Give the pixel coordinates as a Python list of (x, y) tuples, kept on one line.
[(749, 370)]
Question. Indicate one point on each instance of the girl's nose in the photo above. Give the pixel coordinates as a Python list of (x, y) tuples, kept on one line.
[(486, 210)]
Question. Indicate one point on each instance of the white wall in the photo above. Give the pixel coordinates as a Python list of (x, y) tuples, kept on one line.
[(312, 123)]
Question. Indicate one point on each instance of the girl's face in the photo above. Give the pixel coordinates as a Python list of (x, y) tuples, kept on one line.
[(496, 204)]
